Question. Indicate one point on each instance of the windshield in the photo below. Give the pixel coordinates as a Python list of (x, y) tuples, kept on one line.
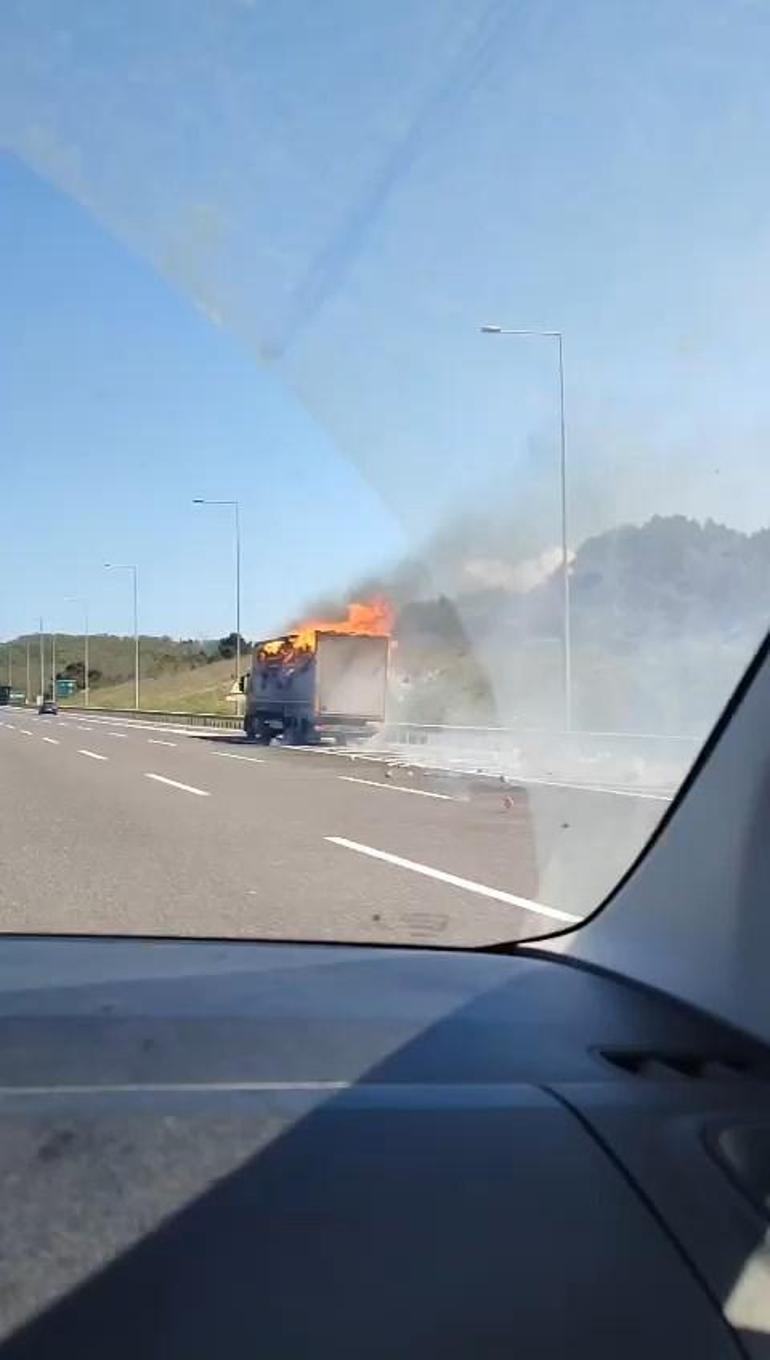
[(385, 494)]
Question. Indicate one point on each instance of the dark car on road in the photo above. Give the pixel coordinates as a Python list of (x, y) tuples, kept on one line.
[(48, 706)]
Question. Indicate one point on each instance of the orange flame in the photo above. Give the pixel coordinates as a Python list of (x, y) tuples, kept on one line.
[(372, 618)]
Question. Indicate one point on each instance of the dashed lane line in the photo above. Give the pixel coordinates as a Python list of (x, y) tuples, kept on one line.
[(469, 884), (399, 788), (387, 756), (231, 755), (52, 741), (156, 741), (174, 784), (92, 755)]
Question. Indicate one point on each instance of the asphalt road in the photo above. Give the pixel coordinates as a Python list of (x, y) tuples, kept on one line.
[(116, 827)]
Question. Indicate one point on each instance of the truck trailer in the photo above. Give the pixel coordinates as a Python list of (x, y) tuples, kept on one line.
[(309, 687)]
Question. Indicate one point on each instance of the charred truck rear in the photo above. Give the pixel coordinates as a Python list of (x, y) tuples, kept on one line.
[(311, 685)]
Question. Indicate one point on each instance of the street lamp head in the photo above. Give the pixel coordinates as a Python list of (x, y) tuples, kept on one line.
[(491, 330), (198, 500)]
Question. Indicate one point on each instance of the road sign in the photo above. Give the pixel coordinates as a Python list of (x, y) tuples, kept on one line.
[(65, 688)]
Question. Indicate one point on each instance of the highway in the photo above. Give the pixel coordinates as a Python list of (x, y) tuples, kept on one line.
[(123, 827)]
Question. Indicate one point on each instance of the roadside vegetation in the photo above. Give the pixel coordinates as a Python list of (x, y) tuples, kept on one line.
[(664, 618)]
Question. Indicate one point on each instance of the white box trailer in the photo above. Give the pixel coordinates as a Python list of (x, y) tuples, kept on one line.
[(337, 687)]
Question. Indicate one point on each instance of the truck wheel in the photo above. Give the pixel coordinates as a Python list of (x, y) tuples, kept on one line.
[(290, 732), (264, 734), (299, 732), (249, 728)]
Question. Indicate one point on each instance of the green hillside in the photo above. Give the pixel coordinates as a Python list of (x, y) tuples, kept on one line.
[(199, 690), (111, 658), (190, 672)]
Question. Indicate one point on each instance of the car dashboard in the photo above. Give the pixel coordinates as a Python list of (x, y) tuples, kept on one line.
[(296, 1150)]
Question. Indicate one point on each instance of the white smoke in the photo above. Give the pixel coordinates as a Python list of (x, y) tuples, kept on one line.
[(494, 573)]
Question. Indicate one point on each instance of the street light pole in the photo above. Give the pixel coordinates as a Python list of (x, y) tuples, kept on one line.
[(122, 566), (53, 667), (29, 677), (42, 663), (87, 683), (136, 640), (237, 604), (566, 602), (199, 500)]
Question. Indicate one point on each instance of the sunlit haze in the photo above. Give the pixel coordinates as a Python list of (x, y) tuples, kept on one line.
[(290, 312)]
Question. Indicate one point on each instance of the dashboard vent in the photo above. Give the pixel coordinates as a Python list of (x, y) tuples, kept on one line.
[(666, 1066)]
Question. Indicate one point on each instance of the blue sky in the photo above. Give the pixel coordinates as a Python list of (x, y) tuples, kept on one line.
[(120, 403), (246, 249)]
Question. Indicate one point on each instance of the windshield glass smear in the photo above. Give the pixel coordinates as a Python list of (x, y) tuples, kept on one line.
[(384, 514)]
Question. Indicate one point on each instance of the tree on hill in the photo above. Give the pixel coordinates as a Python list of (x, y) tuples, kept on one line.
[(75, 670), (227, 647)]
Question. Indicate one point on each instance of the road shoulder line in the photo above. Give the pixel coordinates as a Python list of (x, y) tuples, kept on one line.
[(469, 884), (399, 788)]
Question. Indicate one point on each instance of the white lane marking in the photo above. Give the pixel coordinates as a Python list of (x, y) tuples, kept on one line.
[(174, 783), (456, 766), (311, 750), (52, 741), (12, 726), (231, 755), (25, 732), (120, 735), (82, 728), (399, 788), (460, 767), (92, 755), (155, 741), (469, 884), (512, 780)]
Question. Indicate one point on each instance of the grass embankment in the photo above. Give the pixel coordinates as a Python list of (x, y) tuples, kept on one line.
[(200, 690)]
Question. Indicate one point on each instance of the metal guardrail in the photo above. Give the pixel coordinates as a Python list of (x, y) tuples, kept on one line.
[(500, 731), (652, 761), (419, 733), (216, 720), (624, 759)]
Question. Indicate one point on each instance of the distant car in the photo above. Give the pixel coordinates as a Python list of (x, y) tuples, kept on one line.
[(48, 706)]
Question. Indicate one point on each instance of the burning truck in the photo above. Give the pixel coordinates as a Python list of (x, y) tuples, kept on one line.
[(324, 680)]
